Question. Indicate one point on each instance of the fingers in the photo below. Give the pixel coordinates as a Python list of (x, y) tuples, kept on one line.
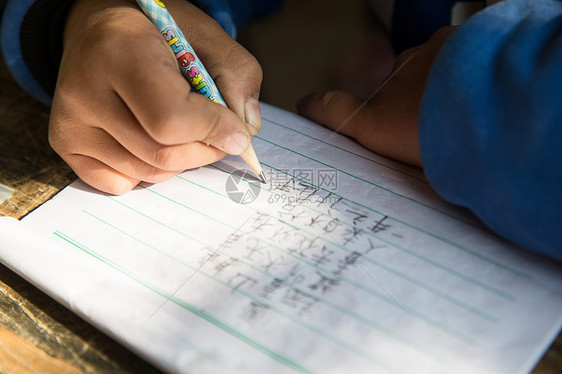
[(388, 123), (122, 111), (170, 114), (130, 134), (126, 151), (159, 97), (337, 110), (99, 175), (367, 122), (235, 71), (388, 127), (113, 162)]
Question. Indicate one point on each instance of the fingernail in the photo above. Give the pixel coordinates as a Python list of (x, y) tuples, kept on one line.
[(236, 143), (253, 116)]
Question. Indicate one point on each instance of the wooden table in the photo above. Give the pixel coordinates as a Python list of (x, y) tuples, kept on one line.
[(36, 333)]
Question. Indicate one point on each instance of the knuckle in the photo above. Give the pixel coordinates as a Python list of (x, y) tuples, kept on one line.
[(160, 126), (102, 33), (150, 174), (153, 174), (165, 158), (327, 100), (249, 67), (223, 123), (242, 64), (215, 126), (118, 42), (58, 135)]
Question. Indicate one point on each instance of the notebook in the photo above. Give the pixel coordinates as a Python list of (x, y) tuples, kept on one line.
[(344, 261)]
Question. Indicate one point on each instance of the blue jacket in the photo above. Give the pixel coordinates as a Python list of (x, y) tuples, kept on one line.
[(491, 118), (491, 121)]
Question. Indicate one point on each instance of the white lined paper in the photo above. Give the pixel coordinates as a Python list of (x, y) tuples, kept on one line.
[(374, 273)]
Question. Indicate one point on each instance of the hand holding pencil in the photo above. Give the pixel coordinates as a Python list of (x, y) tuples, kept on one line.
[(127, 115), (192, 67)]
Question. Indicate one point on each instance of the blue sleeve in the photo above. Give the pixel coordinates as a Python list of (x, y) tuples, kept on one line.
[(31, 39), (491, 121), (12, 19)]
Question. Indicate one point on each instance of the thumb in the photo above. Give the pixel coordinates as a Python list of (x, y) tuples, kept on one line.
[(387, 127), (337, 110)]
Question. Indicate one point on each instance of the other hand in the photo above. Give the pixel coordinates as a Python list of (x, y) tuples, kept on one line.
[(388, 123)]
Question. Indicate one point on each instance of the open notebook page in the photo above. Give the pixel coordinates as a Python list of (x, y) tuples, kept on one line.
[(344, 262)]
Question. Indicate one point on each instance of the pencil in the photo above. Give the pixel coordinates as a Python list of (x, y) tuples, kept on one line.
[(191, 66)]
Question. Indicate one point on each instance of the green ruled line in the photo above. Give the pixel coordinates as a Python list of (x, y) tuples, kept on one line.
[(444, 328), (346, 150), (189, 307), (425, 259), (435, 236), (414, 281), (270, 244), (428, 288), (217, 322), (468, 340), (368, 182)]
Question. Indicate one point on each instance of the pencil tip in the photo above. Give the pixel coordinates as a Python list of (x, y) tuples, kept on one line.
[(262, 177)]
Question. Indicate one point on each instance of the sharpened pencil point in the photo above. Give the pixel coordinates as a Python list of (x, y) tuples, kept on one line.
[(262, 177)]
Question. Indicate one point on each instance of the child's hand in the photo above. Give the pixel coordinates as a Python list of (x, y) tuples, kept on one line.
[(388, 124), (123, 113)]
